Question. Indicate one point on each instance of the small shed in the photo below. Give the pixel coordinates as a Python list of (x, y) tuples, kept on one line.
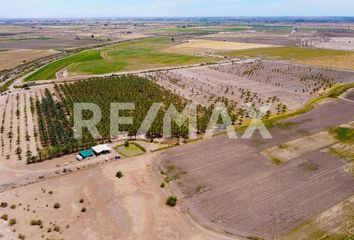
[(86, 153), (101, 149)]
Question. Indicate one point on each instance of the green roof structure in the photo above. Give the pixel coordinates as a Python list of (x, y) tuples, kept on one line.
[(87, 153)]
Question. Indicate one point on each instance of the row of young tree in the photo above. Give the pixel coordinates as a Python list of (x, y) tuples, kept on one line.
[(55, 112)]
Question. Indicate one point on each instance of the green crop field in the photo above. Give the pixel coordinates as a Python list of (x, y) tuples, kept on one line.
[(287, 53), (134, 55), (130, 151), (311, 56)]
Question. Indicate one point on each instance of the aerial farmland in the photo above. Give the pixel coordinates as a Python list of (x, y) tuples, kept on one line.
[(296, 184)]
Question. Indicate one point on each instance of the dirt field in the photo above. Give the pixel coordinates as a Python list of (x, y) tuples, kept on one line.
[(9, 59), (229, 186), (132, 207), (199, 46), (256, 38), (336, 43), (43, 44), (336, 219), (298, 147)]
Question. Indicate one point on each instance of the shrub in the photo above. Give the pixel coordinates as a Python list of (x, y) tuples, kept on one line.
[(4, 217), (83, 209), (12, 221), (344, 134), (56, 228), (119, 174), (126, 144), (56, 205), (37, 222), (3, 204), (171, 201), (13, 206), (50, 192), (81, 200), (21, 236), (162, 185)]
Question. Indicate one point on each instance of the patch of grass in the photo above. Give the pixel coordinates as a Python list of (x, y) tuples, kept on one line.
[(343, 134), (132, 150), (283, 146), (254, 238), (342, 153), (133, 55), (277, 161), (310, 167), (339, 91), (4, 87)]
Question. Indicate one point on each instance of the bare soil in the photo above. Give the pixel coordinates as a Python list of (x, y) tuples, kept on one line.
[(132, 207), (229, 186)]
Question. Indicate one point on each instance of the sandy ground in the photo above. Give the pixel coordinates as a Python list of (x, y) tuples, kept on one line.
[(12, 58), (132, 207), (200, 46)]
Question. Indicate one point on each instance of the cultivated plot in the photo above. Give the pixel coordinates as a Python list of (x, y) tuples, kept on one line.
[(229, 186), (312, 56), (12, 58), (198, 46), (134, 55)]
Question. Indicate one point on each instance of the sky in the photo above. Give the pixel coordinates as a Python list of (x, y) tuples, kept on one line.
[(172, 8)]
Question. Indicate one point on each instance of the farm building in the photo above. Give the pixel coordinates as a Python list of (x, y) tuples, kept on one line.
[(101, 149), (86, 153)]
